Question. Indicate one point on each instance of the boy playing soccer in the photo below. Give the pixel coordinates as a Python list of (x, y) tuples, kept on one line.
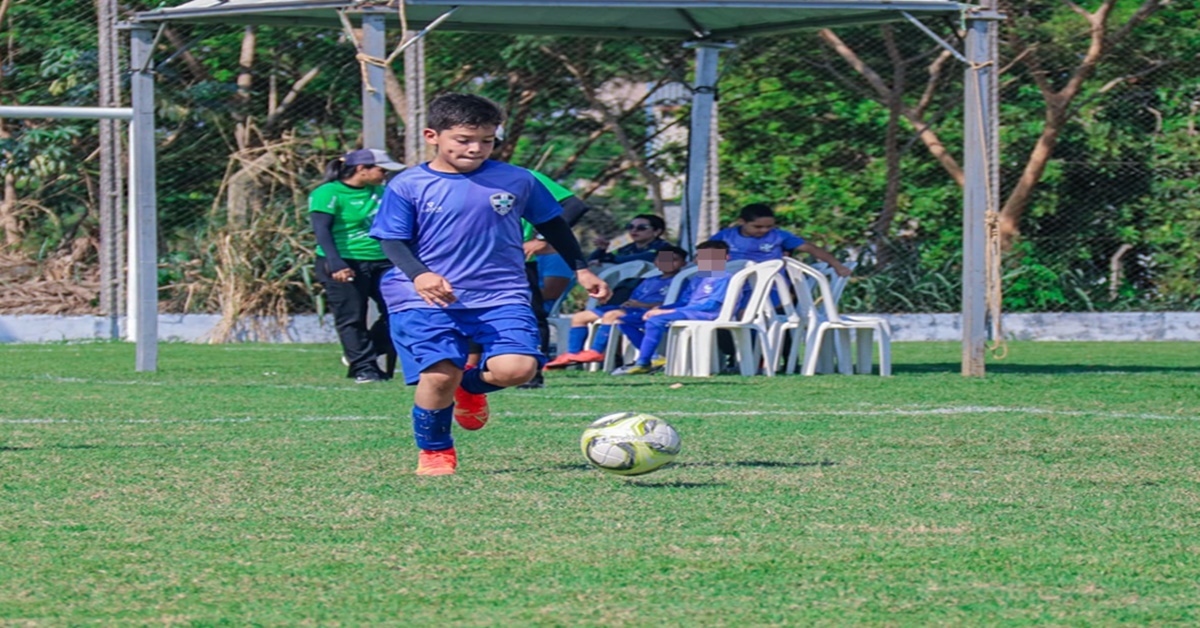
[(452, 228), (649, 293), (704, 295)]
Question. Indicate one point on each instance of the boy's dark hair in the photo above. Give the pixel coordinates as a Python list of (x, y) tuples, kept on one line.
[(451, 110), (754, 211), (655, 221), (671, 248), (713, 244)]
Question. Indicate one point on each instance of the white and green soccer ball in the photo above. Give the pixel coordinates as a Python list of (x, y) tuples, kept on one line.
[(630, 443)]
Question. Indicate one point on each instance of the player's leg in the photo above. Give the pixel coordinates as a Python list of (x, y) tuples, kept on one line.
[(656, 330), (432, 350), (511, 356), (595, 353), (576, 340)]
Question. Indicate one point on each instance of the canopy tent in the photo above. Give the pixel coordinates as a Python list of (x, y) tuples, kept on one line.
[(678, 19), (704, 24)]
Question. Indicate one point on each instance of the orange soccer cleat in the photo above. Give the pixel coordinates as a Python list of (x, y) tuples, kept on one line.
[(561, 362), (441, 462), (470, 410), (588, 356)]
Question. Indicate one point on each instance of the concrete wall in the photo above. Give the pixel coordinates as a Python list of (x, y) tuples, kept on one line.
[(1123, 326)]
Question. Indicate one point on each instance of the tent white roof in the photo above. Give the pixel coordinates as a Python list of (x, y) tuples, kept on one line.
[(680, 19)]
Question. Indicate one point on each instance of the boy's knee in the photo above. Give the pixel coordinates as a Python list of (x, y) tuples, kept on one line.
[(612, 317), (512, 370), (442, 375)]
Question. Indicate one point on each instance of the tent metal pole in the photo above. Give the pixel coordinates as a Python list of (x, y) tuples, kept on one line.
[(374, 44), (144, 220), (981, 181), (704, 93)]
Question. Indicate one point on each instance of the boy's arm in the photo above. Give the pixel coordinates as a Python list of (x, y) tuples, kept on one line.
[(429, 285), (824, 256)]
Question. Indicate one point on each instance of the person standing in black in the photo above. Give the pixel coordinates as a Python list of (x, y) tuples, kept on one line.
[(350, 264)]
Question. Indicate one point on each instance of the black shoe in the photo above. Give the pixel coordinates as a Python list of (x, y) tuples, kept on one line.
[(538, 381), (368, 378)]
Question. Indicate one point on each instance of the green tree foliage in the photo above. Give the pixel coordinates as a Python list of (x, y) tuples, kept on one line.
[(1112, 222)]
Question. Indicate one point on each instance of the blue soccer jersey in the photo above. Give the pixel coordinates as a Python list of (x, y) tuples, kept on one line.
[(652, 290), (466, 228), (705, 292), (774, 245)]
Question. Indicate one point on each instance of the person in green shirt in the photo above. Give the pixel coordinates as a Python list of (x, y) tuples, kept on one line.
[(350, 264)]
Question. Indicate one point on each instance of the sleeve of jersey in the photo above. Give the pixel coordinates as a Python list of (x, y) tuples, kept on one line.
[(541, 206), (396, 217), (321, 200), (791, 241)]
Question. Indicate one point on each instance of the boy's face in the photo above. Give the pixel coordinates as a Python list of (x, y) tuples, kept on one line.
[(709, 260), (758, 227), (461, 148), (668, 263)]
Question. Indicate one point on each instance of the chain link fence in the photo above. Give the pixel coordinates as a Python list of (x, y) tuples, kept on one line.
[(854, 135)]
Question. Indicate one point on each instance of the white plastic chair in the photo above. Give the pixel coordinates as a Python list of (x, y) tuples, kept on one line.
[(692, 345), (837, 283), (612, 274), (820, 318), (616, 340)]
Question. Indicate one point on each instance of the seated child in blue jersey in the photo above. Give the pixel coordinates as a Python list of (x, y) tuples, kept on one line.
[(647, 293), (701, 300), (452, 228), (757, 239), (645, 234)]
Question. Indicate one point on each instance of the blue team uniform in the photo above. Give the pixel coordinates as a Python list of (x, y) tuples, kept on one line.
[(466, 228), (700, 300), (649, 290), (776, 244)]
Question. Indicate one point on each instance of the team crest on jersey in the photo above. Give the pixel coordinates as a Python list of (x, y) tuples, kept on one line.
[(503, 202), (765, 248)]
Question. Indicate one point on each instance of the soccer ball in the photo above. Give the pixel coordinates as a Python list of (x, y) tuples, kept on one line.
[(629, 443)]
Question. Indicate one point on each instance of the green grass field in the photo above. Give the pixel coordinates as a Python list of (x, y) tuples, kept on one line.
[(254, 485)]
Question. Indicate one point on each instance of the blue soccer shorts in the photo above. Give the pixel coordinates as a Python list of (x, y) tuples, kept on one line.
[(426, 336)]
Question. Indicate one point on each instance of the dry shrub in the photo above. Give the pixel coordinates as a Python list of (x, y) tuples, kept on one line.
[(253, 261), (68, 282)]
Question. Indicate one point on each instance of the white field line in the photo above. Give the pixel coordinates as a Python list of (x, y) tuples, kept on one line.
[(888, 412), (343, 388)]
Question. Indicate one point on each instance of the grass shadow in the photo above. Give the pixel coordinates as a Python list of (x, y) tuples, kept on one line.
[(675, 484), (777, 464), (4, 448), (1044, 369)]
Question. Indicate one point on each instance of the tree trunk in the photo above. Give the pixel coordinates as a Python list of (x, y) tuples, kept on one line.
[(244, 81), (245, 189), (1018, 200), (8, 203)]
